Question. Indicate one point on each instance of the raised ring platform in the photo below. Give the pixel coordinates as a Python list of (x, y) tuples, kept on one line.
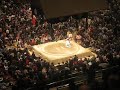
[(57, 52)]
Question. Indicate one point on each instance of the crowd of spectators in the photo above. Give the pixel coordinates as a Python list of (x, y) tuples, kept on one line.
[(19, 28)]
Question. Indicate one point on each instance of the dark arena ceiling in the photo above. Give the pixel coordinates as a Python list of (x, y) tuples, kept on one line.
[(58, 8)]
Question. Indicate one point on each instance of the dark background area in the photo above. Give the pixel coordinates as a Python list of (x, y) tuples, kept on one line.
[(58, 8)]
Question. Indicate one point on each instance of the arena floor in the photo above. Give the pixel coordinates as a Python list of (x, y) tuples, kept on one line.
[(57, 52)]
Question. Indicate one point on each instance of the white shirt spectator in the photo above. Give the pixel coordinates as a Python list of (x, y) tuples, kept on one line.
[(7, 31), (97, 59), (6, 67)]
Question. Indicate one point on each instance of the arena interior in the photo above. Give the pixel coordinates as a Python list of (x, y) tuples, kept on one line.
[(60, 45)]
